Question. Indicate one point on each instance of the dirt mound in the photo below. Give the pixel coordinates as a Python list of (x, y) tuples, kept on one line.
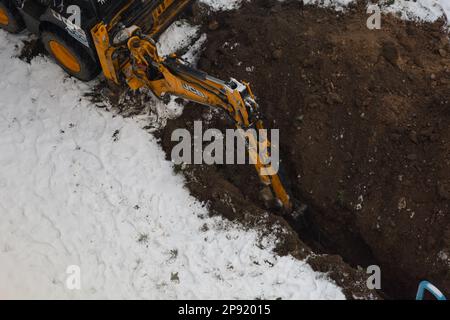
[(364, 121)]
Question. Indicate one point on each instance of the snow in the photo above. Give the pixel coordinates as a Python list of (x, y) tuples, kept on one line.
[(445, 4), (338, 5), (418, 10), (421, 10), (222, 4), (83, 187), (177, 36)]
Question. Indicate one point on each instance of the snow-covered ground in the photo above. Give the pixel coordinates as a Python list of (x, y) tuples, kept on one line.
[(222, 4), (81, 187), (420, 10)]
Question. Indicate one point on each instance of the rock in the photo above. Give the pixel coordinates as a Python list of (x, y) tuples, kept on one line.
[(213, 25), (395, 136), (266, 194), (390, 53), (426, 133), (174, 277), (444, 190), (392, 223), (334, 98), (442, 53), (418, 62), (444, 41), (413, 136), (402, 203), (412, 157), (435, 137), (277, 54), (348, 157)]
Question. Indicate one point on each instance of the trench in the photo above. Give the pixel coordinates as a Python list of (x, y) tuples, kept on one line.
[(338, 92)]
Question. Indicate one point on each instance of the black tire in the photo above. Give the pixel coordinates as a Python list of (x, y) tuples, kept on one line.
[(88, 67), (15, 22)]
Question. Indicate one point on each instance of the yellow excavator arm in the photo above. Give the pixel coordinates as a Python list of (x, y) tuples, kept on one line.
[(166, 76)]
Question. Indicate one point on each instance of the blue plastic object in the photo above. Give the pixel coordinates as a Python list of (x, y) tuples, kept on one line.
[(425, 285)]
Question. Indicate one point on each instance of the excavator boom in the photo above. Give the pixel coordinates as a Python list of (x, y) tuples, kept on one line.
[(172, 76), (131, 54)]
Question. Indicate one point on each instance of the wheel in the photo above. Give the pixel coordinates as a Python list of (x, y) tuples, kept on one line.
[(69, 54), (10, 19)]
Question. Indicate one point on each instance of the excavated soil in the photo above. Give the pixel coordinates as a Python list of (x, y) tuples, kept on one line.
[(365, 137)]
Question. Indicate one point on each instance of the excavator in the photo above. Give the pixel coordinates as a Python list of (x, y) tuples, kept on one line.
[(118, 38)]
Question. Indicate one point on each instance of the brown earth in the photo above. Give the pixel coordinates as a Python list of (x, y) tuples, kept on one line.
[(365, 137)]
